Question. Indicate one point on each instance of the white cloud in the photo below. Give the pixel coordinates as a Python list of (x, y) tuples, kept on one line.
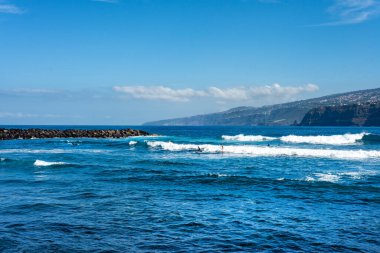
[(229, 93), (353, 11), (30, 92), (160, 92), (278, 90), (34, 91), (9, 8), (236, 93), (26, 115)]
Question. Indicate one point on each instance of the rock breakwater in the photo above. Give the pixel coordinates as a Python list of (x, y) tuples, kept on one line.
[(9, 134)]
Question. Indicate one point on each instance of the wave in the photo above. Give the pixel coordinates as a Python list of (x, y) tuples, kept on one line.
[(44, 163), (359, 174), (333, 178), (325, 139), (371, 138), (327, 177), (242, 137), (343, 139), (132, 143), (267, 151)]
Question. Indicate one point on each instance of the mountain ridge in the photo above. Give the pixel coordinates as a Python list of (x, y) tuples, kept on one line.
[(278, 114)]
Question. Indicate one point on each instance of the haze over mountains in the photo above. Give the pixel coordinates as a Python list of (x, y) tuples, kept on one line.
[(279, 114)]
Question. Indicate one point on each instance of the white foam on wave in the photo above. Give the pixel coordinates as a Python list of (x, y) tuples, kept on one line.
[(148, 136), (335, 177), (327, 177), (218, 175), (309, 179), (267, 151), (359, 174), (242, 137), (132, 143), (44, 163), (2, 159), (323, 177), (344, 139), (52, 151)]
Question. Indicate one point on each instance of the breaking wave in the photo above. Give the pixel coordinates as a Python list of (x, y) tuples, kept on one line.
[(322, 177), (242, 137), (327, 177), (132, 143), (324, 139), (371, 138), (333, 178), (44, 163), (267, 151), (343, 139)]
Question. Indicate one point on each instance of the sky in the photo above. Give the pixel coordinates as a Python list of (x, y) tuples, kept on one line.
[(126, 62)]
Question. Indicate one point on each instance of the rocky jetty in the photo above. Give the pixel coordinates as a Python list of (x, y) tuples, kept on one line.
[(9, 134), (367, 114)]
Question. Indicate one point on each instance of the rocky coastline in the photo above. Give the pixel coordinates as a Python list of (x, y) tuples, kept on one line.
[(367, 114), (36, 133)]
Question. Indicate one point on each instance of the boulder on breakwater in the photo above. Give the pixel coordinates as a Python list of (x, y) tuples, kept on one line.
[(32, 133)]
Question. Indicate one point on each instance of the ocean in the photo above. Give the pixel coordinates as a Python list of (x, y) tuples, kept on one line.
[(193, 189)]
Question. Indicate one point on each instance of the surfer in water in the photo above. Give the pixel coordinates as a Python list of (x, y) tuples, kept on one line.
[(199, 149)]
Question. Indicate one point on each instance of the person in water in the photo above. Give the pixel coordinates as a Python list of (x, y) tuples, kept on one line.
[(199, 149), (222, 148)]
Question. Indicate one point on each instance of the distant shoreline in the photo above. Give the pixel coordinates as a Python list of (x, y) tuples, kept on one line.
[(38, 133)]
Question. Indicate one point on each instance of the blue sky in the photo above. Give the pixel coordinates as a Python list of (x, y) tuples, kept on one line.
[(131, 61)]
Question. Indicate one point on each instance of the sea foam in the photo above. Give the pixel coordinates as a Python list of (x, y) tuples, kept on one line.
[(324, 139), (132, 143), (267, 151), (44, 163), (343, 139), (242, 137), (327, 177)]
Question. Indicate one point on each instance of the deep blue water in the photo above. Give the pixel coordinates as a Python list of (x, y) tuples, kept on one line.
[(190, 190)]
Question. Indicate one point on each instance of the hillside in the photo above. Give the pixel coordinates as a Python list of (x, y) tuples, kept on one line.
[(346, 115), (279, 114)]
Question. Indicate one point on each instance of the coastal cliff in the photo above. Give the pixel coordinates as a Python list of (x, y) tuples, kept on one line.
[(273, 115), (345, 115), (9, 134)]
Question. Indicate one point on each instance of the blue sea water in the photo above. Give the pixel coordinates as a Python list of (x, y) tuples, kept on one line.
[(193, 189)]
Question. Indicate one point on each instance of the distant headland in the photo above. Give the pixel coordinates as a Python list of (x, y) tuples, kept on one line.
[(36, 133), (367, 114), (347, 109)]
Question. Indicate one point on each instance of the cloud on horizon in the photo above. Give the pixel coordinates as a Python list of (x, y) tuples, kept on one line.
[(160, 92), (27, 115), (31, 92), (274, 91)]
